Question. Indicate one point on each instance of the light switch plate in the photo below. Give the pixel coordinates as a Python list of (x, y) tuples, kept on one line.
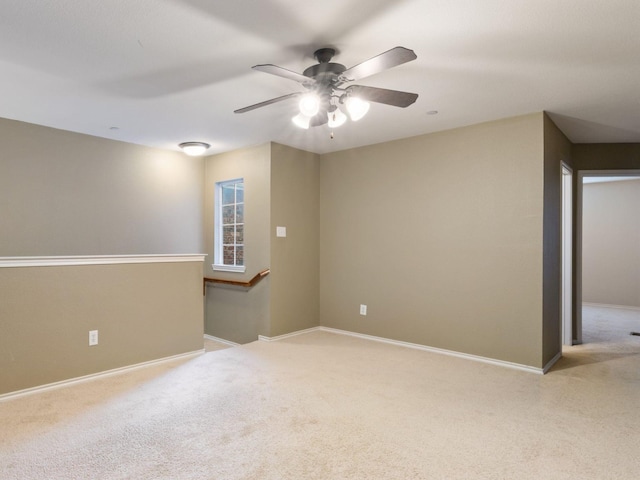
[(281, 231)]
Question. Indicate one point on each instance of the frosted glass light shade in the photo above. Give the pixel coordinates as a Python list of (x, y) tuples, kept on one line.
[(336, 118), (309, 104), (194, 149), (357, 108), (301, 121)]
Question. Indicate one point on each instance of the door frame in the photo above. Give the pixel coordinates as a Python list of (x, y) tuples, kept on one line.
[(566, 295), (577, 307)]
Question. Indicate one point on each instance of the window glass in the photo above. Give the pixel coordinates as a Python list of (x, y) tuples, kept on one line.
[(229, 230), (228, 194)]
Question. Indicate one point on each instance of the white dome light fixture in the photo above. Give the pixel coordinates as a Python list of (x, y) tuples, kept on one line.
[(194, 149)]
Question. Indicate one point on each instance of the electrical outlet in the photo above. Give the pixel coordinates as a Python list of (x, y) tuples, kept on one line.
[(363, 309), (93, 337)]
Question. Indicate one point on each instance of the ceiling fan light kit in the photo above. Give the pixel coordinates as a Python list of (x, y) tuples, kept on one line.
[(326, 91), (356, 107), (309, 104), (336, 117), (302, 121)]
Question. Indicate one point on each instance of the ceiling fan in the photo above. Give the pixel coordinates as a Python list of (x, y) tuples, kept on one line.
[(326, 90)]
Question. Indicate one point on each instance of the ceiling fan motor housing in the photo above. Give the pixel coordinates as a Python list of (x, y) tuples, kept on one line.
[(325, 73)]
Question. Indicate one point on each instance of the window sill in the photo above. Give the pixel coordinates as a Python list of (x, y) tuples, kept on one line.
[(229, 268)]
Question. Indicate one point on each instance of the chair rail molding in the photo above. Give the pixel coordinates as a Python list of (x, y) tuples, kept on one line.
[(54, 261)]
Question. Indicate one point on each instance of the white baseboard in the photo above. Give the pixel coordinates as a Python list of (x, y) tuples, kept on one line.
[(221, 340), (92, 376), (552, 362), (262, 338), (607, 305), (476, 358)]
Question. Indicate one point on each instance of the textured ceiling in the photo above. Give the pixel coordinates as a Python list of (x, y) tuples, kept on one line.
[(169, 71)]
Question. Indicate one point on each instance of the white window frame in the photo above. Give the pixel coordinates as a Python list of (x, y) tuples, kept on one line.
[(218, 264)]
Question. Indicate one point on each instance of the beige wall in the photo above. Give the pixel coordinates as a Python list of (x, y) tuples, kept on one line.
[(441, 236), (295, 259), (281, 189), (449, 238), (606, 156), (64, 193), (557, 149), (233, 314), (611, 243), (142, 312)]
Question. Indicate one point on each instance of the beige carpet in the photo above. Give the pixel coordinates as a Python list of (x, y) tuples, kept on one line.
[(213, 345), (325, 406)]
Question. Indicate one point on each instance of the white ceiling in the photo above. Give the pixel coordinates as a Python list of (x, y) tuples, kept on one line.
[(169, 71)]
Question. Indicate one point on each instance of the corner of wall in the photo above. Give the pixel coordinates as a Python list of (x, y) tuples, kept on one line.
[(295, 258), (557, 150)]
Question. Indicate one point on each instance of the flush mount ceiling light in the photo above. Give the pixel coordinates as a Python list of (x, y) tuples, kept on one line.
[(326, 90), (194, 149)]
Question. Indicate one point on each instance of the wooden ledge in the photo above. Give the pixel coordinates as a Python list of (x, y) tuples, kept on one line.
[(259, 276)]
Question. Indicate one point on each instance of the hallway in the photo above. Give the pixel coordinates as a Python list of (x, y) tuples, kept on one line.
[(606, 338)]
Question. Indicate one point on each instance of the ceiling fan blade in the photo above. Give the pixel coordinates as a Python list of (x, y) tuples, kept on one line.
[(391, 58), (283, 72), (266, 102), (395, 98)]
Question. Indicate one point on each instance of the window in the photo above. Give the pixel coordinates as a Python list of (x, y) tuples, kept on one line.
[(229, 226)]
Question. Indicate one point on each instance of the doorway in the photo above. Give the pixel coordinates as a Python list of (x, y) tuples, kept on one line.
[(588, 177)]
